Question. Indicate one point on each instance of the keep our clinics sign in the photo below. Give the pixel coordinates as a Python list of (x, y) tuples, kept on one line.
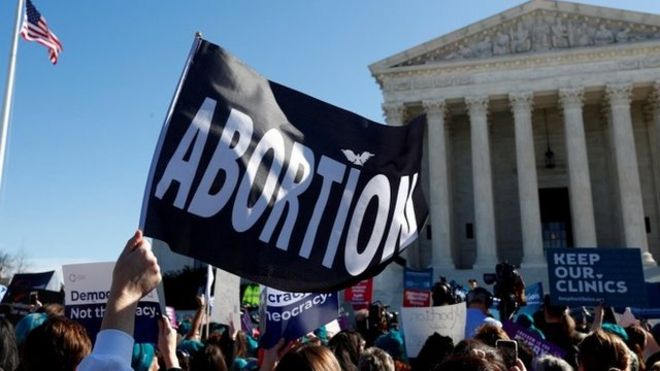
[(86, 291), (587, 276), (278, 187)]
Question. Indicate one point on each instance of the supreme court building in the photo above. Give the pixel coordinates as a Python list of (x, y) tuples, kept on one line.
[(543, 130)]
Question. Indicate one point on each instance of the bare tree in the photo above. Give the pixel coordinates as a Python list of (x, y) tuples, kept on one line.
[(6, 265), (21, 261)]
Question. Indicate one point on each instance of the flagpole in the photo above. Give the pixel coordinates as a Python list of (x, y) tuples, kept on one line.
[(9, 90)]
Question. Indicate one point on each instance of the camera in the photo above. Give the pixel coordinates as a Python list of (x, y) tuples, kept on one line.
[(447, 293), (509, 288), (380, 318)]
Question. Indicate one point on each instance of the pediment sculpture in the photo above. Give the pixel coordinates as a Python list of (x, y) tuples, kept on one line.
[(539, 31)]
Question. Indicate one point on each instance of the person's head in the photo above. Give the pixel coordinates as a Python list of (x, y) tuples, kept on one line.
[(8, 347), (375, 359), (27, 324), (241, 345), (470, 362), (489, 334), (346, 346), (550, 363), (144, 357), (636, 338), (392, 343), (558, 314), (54, 309), (472, 347), (479, 298), (435, 349), (308, 358), (602, 351), (442, 294), (553, 312), (210, 358), (57, 344)]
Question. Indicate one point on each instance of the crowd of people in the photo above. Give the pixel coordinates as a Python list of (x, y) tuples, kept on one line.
[(47, 340)]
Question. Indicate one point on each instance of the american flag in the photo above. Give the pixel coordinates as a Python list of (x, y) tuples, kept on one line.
[(36, 29)]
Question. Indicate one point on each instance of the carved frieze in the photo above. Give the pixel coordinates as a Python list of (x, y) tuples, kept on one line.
[(539, 31)]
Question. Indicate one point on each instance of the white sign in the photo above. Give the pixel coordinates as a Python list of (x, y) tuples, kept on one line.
[(420, 323), (226, 307), (89, 283), (86, 292)]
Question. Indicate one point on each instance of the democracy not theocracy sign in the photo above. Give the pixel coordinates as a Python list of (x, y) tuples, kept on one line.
[(276, 186), (290, 315), (583, 276), (86, 292)]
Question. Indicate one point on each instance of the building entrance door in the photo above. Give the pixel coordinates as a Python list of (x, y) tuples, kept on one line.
[(555, 217)]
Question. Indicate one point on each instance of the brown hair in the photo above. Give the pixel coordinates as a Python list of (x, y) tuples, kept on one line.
[(489, 334), (8, 347), (637, 342), (470, 362), (57, 344), (602, 351), (308, 358), (208, 359)]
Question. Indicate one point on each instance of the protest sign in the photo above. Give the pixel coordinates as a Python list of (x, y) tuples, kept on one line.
[(226, 307), (417, 286), (534, 296), (418, 279), (86, 289), (588, 276), (22, 284), (26, 289), (346, 317), (360, 295), (416, 298), (251, 177), (291, 315), (653, 295), (536, 344), (420, 323)]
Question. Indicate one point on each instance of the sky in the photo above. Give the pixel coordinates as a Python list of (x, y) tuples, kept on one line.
[(83, 132)]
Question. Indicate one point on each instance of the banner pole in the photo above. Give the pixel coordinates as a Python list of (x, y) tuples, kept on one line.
[(9, 90), (145, 201)]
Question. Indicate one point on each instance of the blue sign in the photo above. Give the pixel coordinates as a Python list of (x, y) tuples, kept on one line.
[(290, 315), (534, 295), (588, 276), (653, 310), (418, 279), (91, 316)]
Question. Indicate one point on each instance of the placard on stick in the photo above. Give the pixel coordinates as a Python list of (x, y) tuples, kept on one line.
[(86, 290)]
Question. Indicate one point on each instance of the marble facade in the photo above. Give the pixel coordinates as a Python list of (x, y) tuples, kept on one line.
[(579, 82)]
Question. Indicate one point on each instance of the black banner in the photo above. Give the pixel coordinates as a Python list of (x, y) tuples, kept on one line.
[(279, 187)]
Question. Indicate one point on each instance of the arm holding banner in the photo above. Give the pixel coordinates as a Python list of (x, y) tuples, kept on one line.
[(167, 343), (195, 332), (135, 275)]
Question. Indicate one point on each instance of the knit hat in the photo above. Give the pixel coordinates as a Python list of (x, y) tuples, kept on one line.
[(615, 330), (190, 346), (143, 356), (27, 324), (392, 343)]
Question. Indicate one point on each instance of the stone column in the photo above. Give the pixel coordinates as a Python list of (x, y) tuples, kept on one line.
[(394, 113), (439, 193), (482, 183), (625, 155), (582, 208), (528, 192)]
